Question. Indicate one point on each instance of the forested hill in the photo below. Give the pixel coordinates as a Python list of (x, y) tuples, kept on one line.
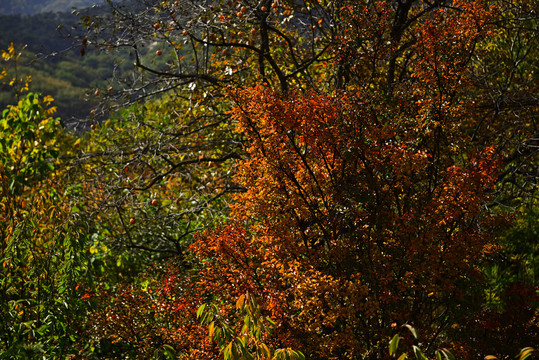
[(37, 32), (52, 58), (30, 7)]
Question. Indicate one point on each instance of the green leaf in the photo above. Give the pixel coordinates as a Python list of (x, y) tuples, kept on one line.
[(412, 330), (279, 354), (144, 285), (227, 352), (169, 351), (235, 350), (447, 354), (418, 353), (288, 354), (271, 322), (526, 352), (264, 351), (393, 344), (200, 310)]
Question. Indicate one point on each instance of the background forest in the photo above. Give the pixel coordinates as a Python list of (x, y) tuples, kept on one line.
[(269, 179)]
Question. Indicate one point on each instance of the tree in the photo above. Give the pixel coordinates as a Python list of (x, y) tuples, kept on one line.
[(369, 180), (505, 101), (41, 238), (166, 173), (383, 48), (335, 198), (151, 319), (186, 137)]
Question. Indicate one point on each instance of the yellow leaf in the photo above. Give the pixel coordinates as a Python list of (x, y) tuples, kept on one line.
[(239, 303), (526, 352)]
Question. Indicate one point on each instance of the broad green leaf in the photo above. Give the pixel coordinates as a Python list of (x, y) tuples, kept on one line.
[(200, 310), (393, 344)]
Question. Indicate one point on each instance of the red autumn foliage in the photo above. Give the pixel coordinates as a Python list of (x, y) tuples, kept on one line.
[(347, 225), (365, 207), (141, 321)]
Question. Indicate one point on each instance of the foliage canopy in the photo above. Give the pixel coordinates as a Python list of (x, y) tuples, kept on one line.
[(287, 180)]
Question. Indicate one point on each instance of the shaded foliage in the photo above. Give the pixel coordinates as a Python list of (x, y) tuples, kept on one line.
[(41, 240)]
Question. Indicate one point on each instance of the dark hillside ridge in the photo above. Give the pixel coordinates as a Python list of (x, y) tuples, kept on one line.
[(38, 32), (52, 58), (31, 7)]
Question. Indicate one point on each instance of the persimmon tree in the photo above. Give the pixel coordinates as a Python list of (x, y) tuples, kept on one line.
[(184, 150)]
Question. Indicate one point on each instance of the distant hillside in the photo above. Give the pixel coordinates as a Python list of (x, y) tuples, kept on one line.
[(69, 77), (30, 7), (38, 32)]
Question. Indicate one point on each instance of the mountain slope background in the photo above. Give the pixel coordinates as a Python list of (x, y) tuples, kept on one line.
[(53, 61), (31, 7), (51, 56)]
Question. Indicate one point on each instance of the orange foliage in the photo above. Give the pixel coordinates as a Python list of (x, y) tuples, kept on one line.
[(365, 207), (363, 211), (141, 321), (347, 226)]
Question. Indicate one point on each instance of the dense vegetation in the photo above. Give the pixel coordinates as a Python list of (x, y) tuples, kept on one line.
[(275, 180)]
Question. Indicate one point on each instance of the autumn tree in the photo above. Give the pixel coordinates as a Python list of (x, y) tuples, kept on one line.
[(368, 207), (41, 238), (180, 150), (371, 172), (506, 102), (193, 51), (147, 318), (350, 227)]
